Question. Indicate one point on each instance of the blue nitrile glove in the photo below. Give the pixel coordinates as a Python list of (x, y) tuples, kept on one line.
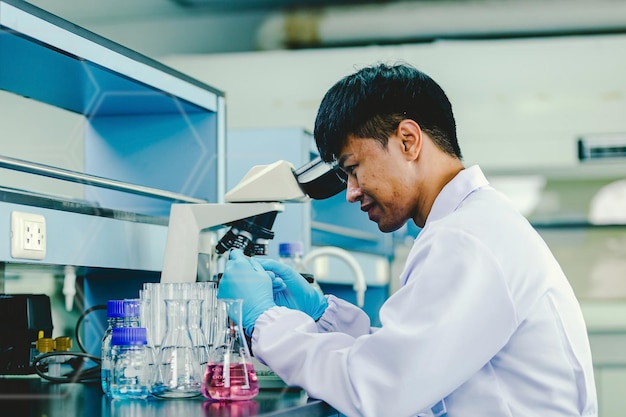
[(292, 290), (282, 296), (249, 282), (277, 283)]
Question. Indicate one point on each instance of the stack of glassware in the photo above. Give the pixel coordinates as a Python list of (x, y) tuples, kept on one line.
[(179, 319), (194, 343)]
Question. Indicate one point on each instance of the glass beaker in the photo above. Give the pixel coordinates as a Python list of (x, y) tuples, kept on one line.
[(230, 375), (178, 373)]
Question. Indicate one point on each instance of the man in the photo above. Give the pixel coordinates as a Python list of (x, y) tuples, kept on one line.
[(485, 323)]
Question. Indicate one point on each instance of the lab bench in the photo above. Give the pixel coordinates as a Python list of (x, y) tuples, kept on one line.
[(31, 396)]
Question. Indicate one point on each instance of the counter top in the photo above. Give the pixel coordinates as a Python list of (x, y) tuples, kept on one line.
[(27, 396)]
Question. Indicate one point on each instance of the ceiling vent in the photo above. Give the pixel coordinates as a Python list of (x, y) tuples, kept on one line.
[(602, 147)]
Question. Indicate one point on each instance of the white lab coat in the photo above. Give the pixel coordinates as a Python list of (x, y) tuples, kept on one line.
[(485, 320)]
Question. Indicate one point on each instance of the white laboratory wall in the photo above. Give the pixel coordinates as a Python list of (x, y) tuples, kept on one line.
[(519, 103)]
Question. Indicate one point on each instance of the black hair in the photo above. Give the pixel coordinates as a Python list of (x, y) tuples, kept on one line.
[(373, 101)]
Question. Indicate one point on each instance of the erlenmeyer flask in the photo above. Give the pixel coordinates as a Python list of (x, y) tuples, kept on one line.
[(230, 374), (178, 373), (198, 338)]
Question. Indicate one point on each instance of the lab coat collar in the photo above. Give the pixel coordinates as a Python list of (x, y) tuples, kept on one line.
[(454, 192)]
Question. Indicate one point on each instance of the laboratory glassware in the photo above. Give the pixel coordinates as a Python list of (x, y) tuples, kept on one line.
[(129, 375), (195, 322), (177, 373), (230, 374), (120, 313)]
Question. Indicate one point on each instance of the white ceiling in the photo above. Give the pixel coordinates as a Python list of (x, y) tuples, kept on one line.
[(158, 27)]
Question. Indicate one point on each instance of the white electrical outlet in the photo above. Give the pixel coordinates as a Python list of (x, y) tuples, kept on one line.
[(28, 235)]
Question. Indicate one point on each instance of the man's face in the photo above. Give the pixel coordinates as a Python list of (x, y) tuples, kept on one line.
[(378, 179)]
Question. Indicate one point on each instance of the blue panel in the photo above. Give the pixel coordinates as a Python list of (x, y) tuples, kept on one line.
[(34, 70), (31, 70), (177, 153), (106, 93)]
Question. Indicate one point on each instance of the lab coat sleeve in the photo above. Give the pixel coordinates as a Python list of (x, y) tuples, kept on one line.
[(451, 317), (342, 316)]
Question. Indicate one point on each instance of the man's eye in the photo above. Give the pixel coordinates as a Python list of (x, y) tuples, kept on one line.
[(349, 169)]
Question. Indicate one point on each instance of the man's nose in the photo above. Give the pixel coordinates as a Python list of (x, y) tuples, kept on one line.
[(353, 191)]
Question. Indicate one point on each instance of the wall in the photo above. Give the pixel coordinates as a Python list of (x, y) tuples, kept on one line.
[(519, 103)]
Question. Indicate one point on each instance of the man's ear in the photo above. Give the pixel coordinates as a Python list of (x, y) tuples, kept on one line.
[(410, 134)]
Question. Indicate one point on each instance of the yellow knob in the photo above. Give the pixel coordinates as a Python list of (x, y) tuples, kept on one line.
[(63, 344), (45, 344)]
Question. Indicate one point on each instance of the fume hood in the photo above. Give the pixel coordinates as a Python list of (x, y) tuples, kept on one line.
[(151, 135)]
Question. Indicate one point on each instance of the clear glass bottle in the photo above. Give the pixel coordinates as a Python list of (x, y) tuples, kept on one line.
[(129, 375), (120, 313), (115, 319), (178, 373), (291, 253), (132, 312), (230, 374)]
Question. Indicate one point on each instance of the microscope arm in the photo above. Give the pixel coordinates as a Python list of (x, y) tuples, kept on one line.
[(187, 221)]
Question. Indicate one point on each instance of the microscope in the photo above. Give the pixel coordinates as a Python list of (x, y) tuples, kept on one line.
[(249, 212)]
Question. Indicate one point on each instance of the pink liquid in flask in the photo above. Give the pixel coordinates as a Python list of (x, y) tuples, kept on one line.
[(216, 387)]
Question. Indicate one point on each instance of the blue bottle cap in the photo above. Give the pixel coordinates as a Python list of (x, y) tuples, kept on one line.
[(115, 308), (129, 336), (290, 249)]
